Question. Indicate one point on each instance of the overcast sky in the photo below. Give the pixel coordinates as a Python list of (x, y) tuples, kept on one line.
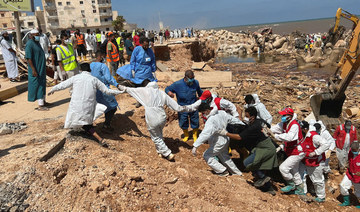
[(220, 13)]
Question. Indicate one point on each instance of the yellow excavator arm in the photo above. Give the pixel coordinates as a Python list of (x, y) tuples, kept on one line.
[(342, 13), (328, 106)]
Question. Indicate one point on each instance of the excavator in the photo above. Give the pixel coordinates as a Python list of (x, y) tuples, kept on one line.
[(327, 106)]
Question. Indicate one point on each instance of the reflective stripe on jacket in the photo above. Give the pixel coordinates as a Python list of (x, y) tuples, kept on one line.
[(114, 53), (98, 38), (68, 57), (80, 39)]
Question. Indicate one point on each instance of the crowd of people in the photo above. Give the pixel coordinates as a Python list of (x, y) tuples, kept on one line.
[(307, 145)]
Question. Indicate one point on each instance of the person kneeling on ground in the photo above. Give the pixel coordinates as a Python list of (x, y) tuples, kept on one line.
[(352, 176), (314, 147), (219, 144), (83, 104), (154, 101), (263, 152)]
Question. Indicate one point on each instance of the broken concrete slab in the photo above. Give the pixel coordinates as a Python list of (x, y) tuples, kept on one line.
[(208, 68), (162, 67), (198, 65)]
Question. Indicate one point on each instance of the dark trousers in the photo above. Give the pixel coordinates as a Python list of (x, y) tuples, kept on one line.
[(108, 116), (81, 50)]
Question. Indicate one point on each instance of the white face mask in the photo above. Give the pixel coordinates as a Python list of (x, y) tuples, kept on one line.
[(67, 41), (246, 120)]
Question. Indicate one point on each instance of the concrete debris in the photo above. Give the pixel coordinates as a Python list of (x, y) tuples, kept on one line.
[(8, 128), (198, 65)]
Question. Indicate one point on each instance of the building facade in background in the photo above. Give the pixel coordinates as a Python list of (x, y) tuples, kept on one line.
[(7, 21), (78, 14)]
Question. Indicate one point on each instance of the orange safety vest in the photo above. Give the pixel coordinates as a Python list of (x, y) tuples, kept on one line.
[(80, 39), (114, 54)]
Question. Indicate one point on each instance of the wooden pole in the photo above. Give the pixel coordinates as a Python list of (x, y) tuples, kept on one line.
[(18, 30)]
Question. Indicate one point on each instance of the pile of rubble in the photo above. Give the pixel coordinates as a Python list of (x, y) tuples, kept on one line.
[(242, 44), (8, 128), (230, 43)]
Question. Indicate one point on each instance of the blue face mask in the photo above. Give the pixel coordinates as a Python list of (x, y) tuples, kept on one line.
[(190, 81), (355, 153), (283, 119), (37, 38)]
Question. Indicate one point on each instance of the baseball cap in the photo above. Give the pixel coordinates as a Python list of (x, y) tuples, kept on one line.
[(206, 94), (286, 111)]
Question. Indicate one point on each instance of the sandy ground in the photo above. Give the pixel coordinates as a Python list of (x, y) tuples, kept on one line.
[(129, 176)]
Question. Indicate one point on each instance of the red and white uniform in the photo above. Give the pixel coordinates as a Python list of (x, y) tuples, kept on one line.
[(290, 134), (350, 178), (313, 142), (343, 141)]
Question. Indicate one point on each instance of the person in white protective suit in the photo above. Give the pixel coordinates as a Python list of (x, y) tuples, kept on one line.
[(215, 103), (325, 134), (263, 113), (289, 132), (83, 106), (314, 147), (219, 144), (154, 101)]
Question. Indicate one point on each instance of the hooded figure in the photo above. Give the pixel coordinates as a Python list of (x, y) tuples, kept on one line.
[(216, 104), (325, 134), (154, 101), (263, 113), (218, 144)]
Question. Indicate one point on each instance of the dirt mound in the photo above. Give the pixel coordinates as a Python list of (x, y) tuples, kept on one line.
[(129, 176)]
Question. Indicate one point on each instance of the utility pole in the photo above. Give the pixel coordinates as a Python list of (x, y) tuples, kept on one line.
[(18, 30)]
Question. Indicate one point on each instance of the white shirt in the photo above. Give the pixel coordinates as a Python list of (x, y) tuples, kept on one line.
[(45, 44), (7, 55)]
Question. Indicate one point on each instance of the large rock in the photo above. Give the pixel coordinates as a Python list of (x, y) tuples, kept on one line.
[(279, 42), (340, 43)]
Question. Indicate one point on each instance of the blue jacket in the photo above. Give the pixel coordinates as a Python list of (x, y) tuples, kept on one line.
[(143, 63), (185, 94), (102, 72)]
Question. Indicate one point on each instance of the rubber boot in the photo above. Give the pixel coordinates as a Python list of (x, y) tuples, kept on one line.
[(229, 150), (195, 134), (346, 201), (85, 58), (186, 135), (300, 189), (79, 58), (290, 186)]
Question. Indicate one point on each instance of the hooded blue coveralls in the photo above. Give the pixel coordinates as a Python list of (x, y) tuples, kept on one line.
[(186, 95)]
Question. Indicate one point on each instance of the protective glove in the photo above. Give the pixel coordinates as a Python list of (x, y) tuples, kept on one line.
[(193, 151), (133, 73), (312, 154), (121, 87), (280, 147), (223, 132)]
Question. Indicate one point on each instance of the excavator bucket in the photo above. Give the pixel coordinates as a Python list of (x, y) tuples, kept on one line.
[(327, 109)]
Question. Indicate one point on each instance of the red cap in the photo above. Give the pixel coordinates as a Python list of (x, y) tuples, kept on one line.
[(206, 94), (287, 111)]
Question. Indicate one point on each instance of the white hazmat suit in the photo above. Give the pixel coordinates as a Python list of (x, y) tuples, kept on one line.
[(225, 105), (290, 167), (83, 105), (219, 144), (263, 113), (154, 101), (315, 173)]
